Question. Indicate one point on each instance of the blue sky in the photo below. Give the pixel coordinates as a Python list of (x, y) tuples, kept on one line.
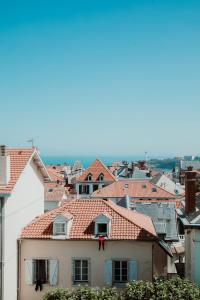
[(101, 77)]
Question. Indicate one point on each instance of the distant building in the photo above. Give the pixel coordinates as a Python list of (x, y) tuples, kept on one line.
[(55, 194), (190, 220), (166, 183), (143, 190), (92, 242), (94, 178), (22, 177)]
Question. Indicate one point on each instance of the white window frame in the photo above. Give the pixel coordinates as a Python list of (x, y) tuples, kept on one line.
[(60, 232), (81, 259), (113, 267)]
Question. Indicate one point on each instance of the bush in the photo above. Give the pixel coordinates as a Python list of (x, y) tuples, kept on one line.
[(57, 294), (173, 289), (139, 290), (108, 293), (84, 293)]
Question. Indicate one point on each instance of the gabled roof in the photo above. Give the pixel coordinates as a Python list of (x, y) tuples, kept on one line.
[(134, 188), (54, 172), (18, 160), (55, 192), (97, 168), (125, 224)]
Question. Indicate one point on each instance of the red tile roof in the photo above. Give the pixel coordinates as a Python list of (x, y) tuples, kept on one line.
[(55, 192), (125, 224), (54, 172), (18, 160), (134, 188), (97, 168)]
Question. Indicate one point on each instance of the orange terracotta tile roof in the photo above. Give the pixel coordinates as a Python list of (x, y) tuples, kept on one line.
[(125, 224), (97, 168), (18, 160), (55, 192), (134, 188), (54, 172)]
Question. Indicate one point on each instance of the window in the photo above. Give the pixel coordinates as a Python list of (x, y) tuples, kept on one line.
[(102, 229), (80, 270), (95, 187), (120, 271), (60, 228), (101, 177), (154, 189), (126, 185), (41, 270), (89, 178), (144, 186)]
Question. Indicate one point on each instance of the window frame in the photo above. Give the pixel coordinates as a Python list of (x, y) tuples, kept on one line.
[(81, 281), (47, 269), (60, 232), (113, 271)]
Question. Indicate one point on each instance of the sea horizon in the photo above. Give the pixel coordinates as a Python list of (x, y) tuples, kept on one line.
[(88, 159)]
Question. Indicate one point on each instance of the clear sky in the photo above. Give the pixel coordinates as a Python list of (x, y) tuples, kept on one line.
[(101, 76)]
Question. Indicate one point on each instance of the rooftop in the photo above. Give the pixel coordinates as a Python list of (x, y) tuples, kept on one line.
[(125, 224)]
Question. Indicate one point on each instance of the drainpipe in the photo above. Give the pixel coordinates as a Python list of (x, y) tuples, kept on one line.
[(18, 269), (1, 247)]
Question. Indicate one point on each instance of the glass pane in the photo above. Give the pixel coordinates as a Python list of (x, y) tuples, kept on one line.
[(77, 263), (117, 277), (84, 277), (124, 264), (124, 277), (84, 263), (40, 270), (77, 277), (117, 264)]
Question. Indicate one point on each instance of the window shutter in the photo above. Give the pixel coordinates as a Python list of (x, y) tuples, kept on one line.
[(108, 271), (132, 270), (29, 263), (53, 271)]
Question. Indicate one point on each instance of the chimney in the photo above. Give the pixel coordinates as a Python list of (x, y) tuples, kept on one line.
[(127, 201), (4, 165), (190, 191)]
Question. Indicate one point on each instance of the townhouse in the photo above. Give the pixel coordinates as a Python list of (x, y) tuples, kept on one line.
[(22, 177), (88, 241), (94, 178)]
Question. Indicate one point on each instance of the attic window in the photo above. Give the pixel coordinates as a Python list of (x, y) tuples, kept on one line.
[(101, 177), (89, 177), (60, 228), (61, 225), (102, 225), (144, 186), (50, 190), (126, 185), (154, 189)]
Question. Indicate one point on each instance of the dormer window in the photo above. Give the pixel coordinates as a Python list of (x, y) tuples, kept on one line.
[(62, 224), (89, 177), (102, 228), (154, 190), (60, 228), (101, 177), (102, 225)]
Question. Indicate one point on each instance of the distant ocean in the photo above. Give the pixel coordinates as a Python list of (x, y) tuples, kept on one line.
[(87, 160)]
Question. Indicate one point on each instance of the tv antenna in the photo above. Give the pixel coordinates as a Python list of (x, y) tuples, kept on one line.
[(31, 141)]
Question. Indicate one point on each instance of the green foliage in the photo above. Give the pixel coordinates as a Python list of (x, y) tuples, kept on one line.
[(139, 290), (108, 293), (57, 294), (84, 292), (173, 289)]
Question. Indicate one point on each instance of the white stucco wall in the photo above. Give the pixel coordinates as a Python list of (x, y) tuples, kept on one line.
[(25, 203)]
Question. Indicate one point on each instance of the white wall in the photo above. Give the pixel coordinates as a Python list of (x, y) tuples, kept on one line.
[(25, 203)]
